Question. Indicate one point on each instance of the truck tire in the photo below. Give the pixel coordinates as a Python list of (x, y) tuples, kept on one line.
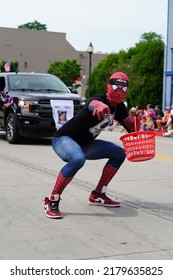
[(12, 132)]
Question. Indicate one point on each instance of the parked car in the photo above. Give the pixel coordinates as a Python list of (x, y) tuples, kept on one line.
[(25, 104)]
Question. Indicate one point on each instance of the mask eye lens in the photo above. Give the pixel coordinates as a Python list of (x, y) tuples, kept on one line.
[(124, 89), (114, 87)]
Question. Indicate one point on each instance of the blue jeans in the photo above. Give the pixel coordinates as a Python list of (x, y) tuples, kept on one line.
[(75, 155)]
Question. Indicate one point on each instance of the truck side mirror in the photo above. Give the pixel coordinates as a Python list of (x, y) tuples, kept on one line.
[(74, 91), (2, 83)]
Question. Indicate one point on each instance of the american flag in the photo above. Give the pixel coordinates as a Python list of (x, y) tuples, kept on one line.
[(7, 66)]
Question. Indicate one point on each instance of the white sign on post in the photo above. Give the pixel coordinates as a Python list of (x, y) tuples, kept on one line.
[(62, 110)]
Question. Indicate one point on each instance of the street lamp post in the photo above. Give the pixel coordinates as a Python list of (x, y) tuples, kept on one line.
[(90, 51)]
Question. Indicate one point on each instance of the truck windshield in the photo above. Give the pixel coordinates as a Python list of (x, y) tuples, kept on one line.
[(38, 83)]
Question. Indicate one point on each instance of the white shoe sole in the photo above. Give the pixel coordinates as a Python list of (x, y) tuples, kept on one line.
[(101, 204)]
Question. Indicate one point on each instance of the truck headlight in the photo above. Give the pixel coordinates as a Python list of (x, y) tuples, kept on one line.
[(83, 102), (27, 107)]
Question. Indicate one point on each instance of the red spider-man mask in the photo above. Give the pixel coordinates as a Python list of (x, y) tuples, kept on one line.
[(117, 88)]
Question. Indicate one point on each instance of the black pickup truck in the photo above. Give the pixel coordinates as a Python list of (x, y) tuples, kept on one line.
[(25, 104)]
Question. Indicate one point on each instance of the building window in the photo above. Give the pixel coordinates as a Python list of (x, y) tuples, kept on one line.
[(25, 65)]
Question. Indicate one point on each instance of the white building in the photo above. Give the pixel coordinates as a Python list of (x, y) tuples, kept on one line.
[(168, 60)]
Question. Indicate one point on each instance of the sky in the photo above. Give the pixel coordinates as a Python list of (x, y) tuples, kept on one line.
[(110, 25)]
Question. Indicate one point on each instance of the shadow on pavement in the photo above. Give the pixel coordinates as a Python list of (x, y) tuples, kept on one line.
[(122, 211)]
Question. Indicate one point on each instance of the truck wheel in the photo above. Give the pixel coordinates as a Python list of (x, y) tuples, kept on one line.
[(12, 133)]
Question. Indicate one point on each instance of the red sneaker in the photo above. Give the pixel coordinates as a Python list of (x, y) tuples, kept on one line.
[(52, 208), (98, 199)]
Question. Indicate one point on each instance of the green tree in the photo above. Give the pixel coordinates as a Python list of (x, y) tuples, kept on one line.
[(146, 71), (150, 36), (13, 66), (68, 71), (144, 66), (35, 25)]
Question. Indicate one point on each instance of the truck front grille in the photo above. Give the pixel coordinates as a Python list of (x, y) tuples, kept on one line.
[(45, 110)]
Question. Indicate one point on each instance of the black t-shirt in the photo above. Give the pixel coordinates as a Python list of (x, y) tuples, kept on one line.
[(84, 127)]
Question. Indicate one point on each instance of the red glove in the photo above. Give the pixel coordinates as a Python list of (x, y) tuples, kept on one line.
[(100, 109)]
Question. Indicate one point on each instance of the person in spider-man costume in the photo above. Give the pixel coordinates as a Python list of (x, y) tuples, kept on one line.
[(76, 141)]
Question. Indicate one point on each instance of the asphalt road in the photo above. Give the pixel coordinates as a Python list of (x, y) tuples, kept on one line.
[(141, 229)]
